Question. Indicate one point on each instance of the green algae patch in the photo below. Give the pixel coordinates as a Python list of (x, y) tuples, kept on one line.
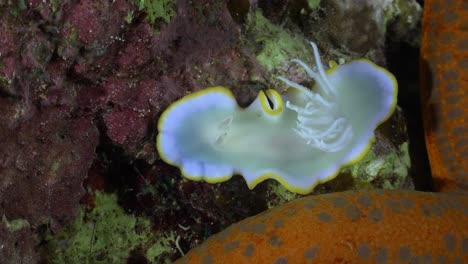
[(276, 44), (279, 195), (405, 19), (15, 225), (157, 9), (313, 4), (387, 171), (107, 235)]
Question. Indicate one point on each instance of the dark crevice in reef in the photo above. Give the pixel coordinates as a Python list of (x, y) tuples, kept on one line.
[(120, 170), (403, 62)]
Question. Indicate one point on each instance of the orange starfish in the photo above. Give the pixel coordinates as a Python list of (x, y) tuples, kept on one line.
[(444, 59)]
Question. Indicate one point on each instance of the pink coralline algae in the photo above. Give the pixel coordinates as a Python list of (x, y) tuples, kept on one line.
[(95, 22), (43, 162), (17, 245), (72, 70), (124, 126), (130, 108)]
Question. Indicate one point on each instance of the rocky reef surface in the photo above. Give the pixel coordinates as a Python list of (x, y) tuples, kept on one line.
[(82, 84)]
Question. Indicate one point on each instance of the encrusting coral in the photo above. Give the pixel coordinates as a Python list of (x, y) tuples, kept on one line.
[(302, 144)]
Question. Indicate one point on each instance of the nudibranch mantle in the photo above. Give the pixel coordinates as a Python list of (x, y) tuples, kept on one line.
[(209, 137)]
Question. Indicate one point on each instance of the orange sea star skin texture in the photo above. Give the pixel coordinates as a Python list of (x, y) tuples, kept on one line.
[(350, 227), (444, 72), (380, 226)]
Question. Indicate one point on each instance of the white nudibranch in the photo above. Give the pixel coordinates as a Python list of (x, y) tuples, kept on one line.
[(320, 122), (320, 130)]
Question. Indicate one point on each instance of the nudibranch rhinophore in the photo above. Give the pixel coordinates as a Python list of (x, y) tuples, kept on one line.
[(300, 143)]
